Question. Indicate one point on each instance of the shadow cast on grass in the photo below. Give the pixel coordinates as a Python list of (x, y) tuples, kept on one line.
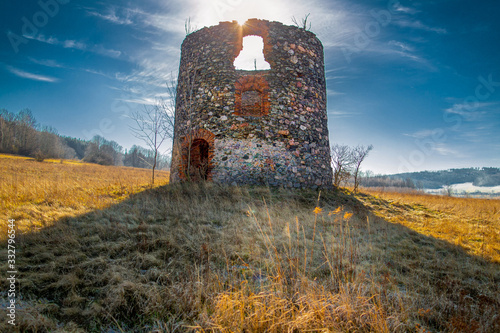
[(157, 260)]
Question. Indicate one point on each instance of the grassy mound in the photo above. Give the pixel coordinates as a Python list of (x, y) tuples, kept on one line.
[(208, 258)]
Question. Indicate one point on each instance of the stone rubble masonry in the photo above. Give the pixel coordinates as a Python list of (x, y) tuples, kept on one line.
[(262, 127)]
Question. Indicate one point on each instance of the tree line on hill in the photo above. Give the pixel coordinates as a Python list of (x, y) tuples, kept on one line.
[(434, 179), (20, 134), (368, 179), (437, 179)]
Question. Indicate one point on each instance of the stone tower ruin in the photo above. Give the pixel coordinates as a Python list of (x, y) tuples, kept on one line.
[(252, 127)]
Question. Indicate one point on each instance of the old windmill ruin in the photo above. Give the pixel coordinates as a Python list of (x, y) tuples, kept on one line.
[(252, 127)]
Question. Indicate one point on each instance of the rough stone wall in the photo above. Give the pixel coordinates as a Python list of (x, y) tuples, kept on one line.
[(264, 127)]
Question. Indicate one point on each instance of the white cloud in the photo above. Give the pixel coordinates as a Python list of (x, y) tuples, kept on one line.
[(46, 62), (424, 133), (97, 72), (341, 114), (470, 111), (113, 17), (407, 10), (403, 46), (330, 92), (168, 22), (141, 101), (99, 49), (443, 150), (43, 39), (77, 45), (420, 26), (71, 44), (31, 76), (386, 51)]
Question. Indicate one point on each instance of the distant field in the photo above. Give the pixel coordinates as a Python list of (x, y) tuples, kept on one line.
[(473, 224), (40, 192), (100, 251)]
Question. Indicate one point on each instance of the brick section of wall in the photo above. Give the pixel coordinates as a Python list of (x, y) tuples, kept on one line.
[(251, 83), (286, 144), (190, 152)]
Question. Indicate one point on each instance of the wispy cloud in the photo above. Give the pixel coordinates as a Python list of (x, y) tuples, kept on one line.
[(425, 133), (403, 46), (113, 17), (31, 76), (333, 92), (389, 51), (97, 72), (478, 134), (416, 24), (168, 22), (77, 45), (68, 44), (470, 111), (72, 44), (341, 114), (140, 101), (353, 40), (46, 62), (407, 10), (444, 150), (99, 49)]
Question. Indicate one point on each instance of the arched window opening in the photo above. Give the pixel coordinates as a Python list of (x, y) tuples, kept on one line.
[(251, 56), (198, 169)]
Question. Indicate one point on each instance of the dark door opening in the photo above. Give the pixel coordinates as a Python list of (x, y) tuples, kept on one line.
[(199, 160)]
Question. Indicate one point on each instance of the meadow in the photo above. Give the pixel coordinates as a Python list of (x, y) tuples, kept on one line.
[(38, 193), (99, 250)]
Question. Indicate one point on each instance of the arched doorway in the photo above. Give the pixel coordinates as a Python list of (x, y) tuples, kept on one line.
[(199, 152), (195, 156)]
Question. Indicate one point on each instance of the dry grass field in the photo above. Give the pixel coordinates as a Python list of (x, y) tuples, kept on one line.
[(473, 224), (206, 258), (38, 193)]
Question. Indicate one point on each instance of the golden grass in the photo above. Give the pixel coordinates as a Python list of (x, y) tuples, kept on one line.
[(32, 192), (209, 258), (473, 224)]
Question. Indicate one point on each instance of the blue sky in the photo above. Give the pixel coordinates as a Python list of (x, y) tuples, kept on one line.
[(420, 80)]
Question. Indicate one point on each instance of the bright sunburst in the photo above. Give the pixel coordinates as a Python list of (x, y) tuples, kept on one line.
[(213, 12)]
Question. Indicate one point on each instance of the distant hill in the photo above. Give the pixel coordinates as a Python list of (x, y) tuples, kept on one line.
[(437, 179)]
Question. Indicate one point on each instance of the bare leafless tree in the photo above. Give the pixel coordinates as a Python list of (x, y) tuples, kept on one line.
[(341, 160), (187, 105), (358, 155), (153, 125)]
